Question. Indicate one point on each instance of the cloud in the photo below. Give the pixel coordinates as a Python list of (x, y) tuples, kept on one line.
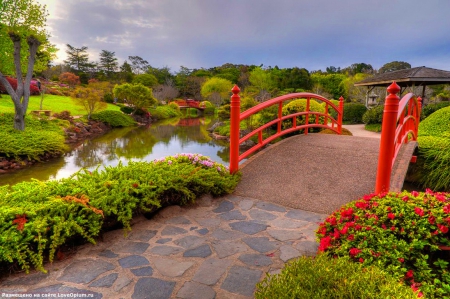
[(287, 33)]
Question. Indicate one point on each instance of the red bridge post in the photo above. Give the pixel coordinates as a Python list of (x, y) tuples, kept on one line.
[(235, 111), (387, 144), (341, 114)]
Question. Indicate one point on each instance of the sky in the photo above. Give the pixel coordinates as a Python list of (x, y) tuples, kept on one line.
[(311, 34)]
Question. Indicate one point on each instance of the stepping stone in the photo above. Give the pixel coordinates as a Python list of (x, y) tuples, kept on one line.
[(225, 206), (122, 282), (289, 223), (247, 227), (227, 248), (76, 271), (233, 215), (202, 231), (201, 251), (143, 235), (270, 207), (211, 271), (193, 228), (164, 240), (221, 234), (258, 260), (133, 261), (246, 204), (287, 253), (208, 222), (144, 271), (189, 242), (305, 216), (106, 281), (172, 230), (194, 290), (108, 253), (30, 279), (62, 289), (261, 244), (285, 235), (165, 250), (241, 280), (261, 215), (179, 220), (307, 247), (154, 288), (131, 247), (172, 268)]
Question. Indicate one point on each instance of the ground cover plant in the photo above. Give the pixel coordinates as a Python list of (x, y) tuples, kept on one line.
[(327, 277), (398, 232), (41, 136), (37, 217), (114, 118), (166, 111)]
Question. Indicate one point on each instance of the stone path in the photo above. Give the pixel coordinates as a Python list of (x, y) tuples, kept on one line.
[(217, 248)]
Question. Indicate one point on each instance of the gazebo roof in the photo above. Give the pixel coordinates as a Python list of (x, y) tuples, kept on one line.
[(415, 76)]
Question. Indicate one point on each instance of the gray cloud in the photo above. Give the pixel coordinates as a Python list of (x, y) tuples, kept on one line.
[(206, 33)]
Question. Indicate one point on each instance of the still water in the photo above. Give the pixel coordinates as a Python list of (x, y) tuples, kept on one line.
[(157, 140)]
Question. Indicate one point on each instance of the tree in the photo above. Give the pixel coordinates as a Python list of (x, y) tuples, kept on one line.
[(394, 66), (77, 58), (90, 98), (126, 73), (146, 80), (264, 83), (167, 91), (137, 95), (216, 90), (70, 79), (108, 62), (22, 24), (331, 83), (162, 74), (138, 64)]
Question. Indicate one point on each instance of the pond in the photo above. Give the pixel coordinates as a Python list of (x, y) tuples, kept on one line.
[(146, 143)]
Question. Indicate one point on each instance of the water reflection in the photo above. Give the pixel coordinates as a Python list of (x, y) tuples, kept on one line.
[(157, 140)]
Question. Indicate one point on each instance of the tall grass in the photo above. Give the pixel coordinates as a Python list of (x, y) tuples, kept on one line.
[(436, 165)]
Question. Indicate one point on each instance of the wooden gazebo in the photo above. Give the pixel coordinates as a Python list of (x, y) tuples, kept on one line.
[(413, 77)]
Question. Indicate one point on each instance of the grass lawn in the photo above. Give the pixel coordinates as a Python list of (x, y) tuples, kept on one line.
[(51, 102)]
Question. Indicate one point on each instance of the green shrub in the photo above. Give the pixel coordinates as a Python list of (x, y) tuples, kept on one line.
[(373, 116), (329, 131), (331, 111), (224, 112), (436, 124), (37, 217), (299, 106), (353, 113), (174, 106), (41, 136), (434, 157), (164, 112), (373, 127), (114, 118), (398, 232), (431, 108), (325, 277), (126, 109)]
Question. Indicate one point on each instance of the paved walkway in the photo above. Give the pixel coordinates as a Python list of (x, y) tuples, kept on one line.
[(217, 248), (359, 131)]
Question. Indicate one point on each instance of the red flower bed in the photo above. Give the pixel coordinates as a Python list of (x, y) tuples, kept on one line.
[(34, 90)]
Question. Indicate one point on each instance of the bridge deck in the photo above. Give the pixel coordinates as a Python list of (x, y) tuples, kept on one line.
[(316, 172)]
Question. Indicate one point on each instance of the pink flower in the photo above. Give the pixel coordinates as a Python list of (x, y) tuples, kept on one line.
[(324, 243), (391, 216), (440, 197), (359, 227), (331, 220), (354, 252), (415, 193), (393, 228), (344, 230), (401, 260), (322, 230), (405, 198), (446, 209), (429, 191), (442, 228), (361, 260), (383, 226), (347, 213), (418, 211), (431, 219), (351, 237), (409, 274), (361, 205)]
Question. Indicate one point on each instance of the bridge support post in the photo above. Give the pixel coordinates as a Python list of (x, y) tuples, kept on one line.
[(387, 144), (235, 111), (341, 114)]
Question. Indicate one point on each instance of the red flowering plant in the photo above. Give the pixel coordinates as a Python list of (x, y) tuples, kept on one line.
[(402, 233)]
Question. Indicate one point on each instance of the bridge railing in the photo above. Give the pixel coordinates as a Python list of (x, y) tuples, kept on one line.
[(400, 125), (188, 103), (322, 120)]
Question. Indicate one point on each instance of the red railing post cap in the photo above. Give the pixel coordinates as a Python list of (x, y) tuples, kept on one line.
[(341, 98), (235, 89), (393, 88)]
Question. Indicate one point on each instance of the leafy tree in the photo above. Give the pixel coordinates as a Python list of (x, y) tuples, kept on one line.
[(216, 89), (263, 81), (138, 64), (162, 74), (167, 91), (77, 58), (126, 72), (355, 93), (146, 80), (357, 68), (70, 79), (22, 27), (137, 95), (108, 62), (90, 98), (331, 84), (394, 66)]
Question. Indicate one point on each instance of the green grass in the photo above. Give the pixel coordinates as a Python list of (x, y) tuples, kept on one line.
[(373, 127), (51, 102)]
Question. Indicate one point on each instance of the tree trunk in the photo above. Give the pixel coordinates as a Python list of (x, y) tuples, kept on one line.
[(19, 120)]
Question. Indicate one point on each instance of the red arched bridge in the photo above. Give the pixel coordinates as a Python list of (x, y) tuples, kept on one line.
[(321, 172), (189, 103)]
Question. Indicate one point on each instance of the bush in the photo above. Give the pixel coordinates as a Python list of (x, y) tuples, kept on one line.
[(325, 277), (174, 106), (434, 161), (373, 116), (398, 232), (353, 113), (34, 90), (436, 124), (329, 131), (127, 109), (113, 118), (108, 97), (164, 112), (38, 217), (300, 106), (224, 112), (431, 108)]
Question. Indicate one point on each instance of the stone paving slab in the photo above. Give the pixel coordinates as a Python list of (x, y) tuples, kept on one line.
[(216, 248)]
